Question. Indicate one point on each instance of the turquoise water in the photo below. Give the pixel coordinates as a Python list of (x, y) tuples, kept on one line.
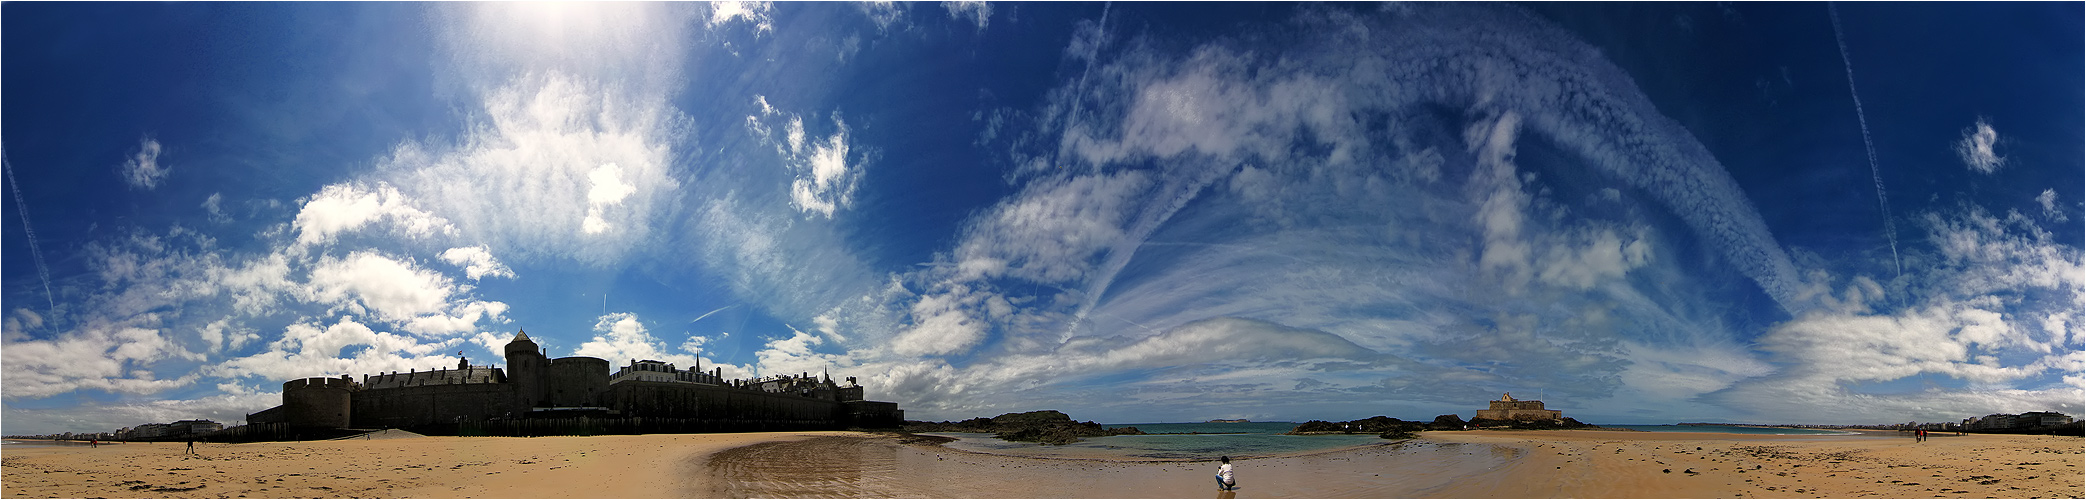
[(1733, 429), (1172, 441)]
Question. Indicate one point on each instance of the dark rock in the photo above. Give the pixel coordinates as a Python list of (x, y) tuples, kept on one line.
[(1045, 426)]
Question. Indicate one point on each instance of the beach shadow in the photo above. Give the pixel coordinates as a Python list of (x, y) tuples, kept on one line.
[(1227, 494)]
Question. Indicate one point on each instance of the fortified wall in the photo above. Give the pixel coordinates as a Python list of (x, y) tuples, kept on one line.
[(534, 386), (1508, 408)]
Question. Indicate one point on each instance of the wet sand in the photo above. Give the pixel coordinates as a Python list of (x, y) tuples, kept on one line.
[(1480, 464)]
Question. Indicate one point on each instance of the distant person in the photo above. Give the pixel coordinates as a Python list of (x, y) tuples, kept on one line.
[(1224, 479), (191, 446), (93, 443)]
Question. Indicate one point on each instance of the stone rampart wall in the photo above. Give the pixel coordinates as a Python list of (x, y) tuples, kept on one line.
[(433, 404), (720, 403)]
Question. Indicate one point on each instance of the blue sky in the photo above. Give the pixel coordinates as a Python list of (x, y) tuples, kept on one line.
[(1639, 213)]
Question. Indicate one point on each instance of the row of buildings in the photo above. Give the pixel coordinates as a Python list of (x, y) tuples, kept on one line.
[(144, 432), (178, 429), (534, 386), (2004, 421)]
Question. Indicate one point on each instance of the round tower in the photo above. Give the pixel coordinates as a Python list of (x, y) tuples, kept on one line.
[(526, 369), (317, 402), (578, 381)]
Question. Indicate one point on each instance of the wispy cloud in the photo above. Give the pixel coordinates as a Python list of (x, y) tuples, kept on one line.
[(1115, 234), (1977, 148), (824, 173), (143, 170), (2048, 200), (1997, 310), (975, 12)]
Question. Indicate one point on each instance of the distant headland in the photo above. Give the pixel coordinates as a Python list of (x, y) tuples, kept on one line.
[(1230, 421)]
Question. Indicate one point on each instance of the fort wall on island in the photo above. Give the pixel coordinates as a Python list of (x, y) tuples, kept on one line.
[(1508, 408), (645, 396)]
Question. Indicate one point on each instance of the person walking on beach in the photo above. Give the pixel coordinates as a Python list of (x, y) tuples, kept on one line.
[(191, 446), (1224, 479)]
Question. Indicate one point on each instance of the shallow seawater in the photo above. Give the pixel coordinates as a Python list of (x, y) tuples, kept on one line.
[(1173, 441)]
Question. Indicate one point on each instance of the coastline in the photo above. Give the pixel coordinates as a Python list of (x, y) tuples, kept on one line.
[(1458, 464)]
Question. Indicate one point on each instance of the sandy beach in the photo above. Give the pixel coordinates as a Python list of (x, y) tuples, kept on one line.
[(642, 466), (1484, 464)]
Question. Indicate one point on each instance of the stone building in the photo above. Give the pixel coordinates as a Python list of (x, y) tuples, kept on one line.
[(533, 385), (1508, 408)]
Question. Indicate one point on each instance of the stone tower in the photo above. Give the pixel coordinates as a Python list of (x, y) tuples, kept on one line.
[(526, 369), (318, 402)]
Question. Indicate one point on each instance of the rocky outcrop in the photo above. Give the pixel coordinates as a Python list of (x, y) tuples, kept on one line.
[(1382, 426), (1566, 423), (1449, 422), (1045, 426), (1391, 428)]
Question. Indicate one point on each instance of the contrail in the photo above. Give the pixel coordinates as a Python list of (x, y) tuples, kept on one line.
[(1890, 229), (34, 250), (715, 311)]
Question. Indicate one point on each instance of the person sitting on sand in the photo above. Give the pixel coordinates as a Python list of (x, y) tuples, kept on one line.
[(1224, 479)]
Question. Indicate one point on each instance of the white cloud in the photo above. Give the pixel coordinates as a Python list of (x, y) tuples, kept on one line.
[(224, 334), (418, 300), (20, 322), (757, 13), (341, 208), (974, 12), (478, 262), (1502, 206), (143, 170), (370, 283), (884, 13), (608, 191), (1588, 257), (2048, 200), (621, 337), (942, 324), (824, 173), (1052, 230), (1995, 311), (108, 356), (214, 206), (556, 155), (1682, 373), (312, 350), (1976, 148)]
